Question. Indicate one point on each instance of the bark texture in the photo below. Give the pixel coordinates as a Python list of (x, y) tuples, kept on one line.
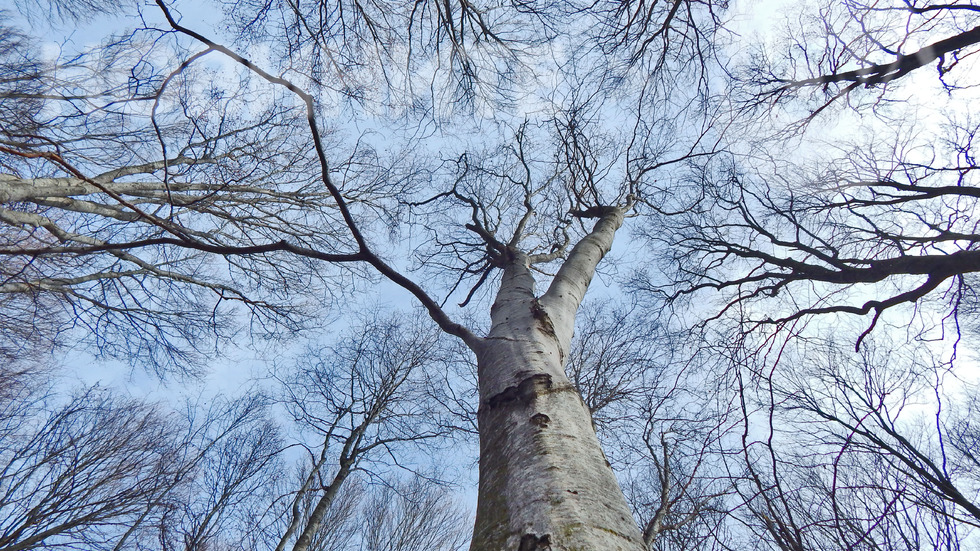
[(544, 480)]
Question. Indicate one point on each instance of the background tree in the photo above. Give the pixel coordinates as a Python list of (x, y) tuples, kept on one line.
[(357, 405), (139, 207), (412, 516), (90, 466), (110, 473), (888, 215), (861, 53), (835, 449), (655, 416), (234, 455), (104, 472), (793, 244)]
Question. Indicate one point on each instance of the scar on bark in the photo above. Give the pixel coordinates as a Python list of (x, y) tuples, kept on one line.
[(544, 322), (531, 542), (525, 393), (534, 385), (540, 420)]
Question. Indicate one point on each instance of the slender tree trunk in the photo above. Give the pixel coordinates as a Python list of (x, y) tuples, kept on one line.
[(544, 481), (319, 511)]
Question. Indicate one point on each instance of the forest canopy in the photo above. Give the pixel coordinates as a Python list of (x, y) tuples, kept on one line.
[(678, 274)]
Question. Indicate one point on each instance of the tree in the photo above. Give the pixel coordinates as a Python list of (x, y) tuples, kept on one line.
[(413, 516), (544, 478), (578, 116), (359, 401), (795, 245), (102, 472), (889, 216), (138, 241)]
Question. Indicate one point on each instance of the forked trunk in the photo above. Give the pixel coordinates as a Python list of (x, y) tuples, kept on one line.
[(544, 481)]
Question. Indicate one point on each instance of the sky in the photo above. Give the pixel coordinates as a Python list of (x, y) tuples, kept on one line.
[(753, 22), (235, 372)]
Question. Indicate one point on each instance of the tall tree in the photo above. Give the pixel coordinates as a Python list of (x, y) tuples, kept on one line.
[(888, 212), (101, 472), (547, 202), (861, 236), (358, 402), (136, 208)]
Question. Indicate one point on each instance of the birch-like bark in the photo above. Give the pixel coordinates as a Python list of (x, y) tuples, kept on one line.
[(544, 480), (319, 511)]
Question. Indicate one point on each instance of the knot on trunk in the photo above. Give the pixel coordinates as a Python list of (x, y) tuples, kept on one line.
[(531, 542), (540, 420), (544, 321)]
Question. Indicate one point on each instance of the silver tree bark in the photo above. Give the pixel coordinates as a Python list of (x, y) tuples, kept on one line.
[(544, 480)]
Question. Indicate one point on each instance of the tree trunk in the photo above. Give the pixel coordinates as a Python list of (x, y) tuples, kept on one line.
[(544, 481), (319, 511)]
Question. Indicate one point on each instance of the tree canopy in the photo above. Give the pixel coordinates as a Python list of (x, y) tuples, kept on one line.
[(781, 217)]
